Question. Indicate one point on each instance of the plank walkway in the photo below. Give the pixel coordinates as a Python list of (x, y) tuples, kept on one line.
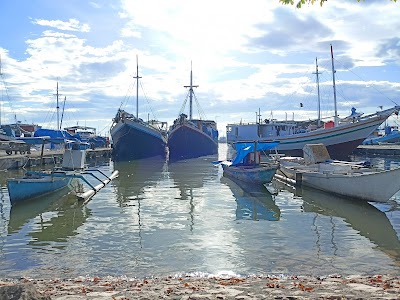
[(383, 150)]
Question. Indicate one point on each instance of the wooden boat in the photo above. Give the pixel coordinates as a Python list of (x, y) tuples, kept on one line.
[(247, 165), (350, 179), (35, 184), (134, 138), (340, 136), (189, 137)]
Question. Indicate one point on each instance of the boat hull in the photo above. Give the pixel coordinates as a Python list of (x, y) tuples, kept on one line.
[(24, 188), (257, 174), (377, 186), (187, 141), (133, 140)]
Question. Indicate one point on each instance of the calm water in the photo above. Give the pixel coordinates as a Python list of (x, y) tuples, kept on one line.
[(185, 217)]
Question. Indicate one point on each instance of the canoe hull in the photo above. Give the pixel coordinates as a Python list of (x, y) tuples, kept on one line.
[(258, 174), (24, 188)]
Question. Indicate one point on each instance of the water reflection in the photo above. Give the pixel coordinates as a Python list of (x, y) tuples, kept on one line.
[(254, 202), (189, 176), (134, 176), (363, 217), (192, 173), (52, 218)]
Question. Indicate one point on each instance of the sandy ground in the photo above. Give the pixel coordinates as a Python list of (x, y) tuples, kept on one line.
[(268, 287)]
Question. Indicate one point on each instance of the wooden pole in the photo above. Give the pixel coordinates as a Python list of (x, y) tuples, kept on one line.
[(41, 153)]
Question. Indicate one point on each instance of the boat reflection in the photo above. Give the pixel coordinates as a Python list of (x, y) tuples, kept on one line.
[(363, 217), (52, 218), (193, 173), (254, 202), (135, 175), (189, 177)]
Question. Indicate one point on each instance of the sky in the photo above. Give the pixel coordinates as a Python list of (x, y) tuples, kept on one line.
[(248, 59)]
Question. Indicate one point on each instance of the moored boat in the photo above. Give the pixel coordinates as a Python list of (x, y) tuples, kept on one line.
[(34, 184), (340, 140), (134, 138), (351, 179), (247, 165), (39, 183), (390, 136), (190, 138)]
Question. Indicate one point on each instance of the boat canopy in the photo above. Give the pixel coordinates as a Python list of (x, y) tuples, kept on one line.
[(244, 148)]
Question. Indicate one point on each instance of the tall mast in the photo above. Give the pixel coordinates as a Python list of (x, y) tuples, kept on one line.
[(137, 87), (191, 86), (62, 113), (58, 117), (334, 87), (319, 97)]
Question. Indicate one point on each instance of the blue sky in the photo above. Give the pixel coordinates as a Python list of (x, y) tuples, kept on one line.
[(246, 56)]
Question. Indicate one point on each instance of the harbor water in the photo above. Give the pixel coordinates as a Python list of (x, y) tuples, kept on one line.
[(160, 219)]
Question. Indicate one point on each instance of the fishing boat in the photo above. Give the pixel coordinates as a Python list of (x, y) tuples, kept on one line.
[(190, 138), (247, 165), (390, 136), (88, 134), (134, 138), (340, 136), (38, 183), (357, 180)]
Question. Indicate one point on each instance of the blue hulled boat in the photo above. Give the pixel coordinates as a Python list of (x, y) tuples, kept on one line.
[(134, 138), (247, 165), (190, 138), (34, 184), (40, 183)]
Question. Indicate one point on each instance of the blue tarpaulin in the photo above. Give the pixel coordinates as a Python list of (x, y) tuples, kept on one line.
[(242, 149)]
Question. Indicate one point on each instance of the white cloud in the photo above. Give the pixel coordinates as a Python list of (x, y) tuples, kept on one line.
[(71, 25)]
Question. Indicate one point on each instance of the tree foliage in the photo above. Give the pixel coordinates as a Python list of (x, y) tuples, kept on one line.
[(301, 2)]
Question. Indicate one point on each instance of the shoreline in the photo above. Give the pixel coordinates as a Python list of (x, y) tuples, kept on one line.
[(212, 287)]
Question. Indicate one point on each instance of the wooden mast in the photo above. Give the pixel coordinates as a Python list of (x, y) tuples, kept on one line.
[(334, 87), (137, 87), (191, 86), (319, 97)]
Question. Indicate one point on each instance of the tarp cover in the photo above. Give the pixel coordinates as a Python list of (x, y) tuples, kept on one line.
[(242, 149), (49, 136)]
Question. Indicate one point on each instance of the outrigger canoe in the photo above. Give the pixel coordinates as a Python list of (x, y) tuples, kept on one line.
[(35, 184)]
